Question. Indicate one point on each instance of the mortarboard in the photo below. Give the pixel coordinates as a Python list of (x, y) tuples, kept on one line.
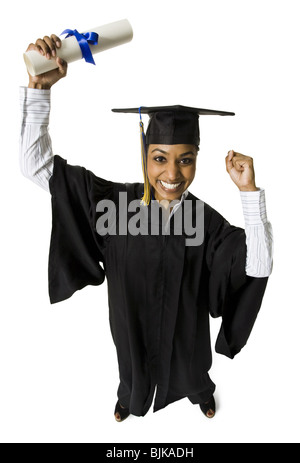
[(169, 125)]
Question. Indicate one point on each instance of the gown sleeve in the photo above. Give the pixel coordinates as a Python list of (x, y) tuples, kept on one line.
[(233, 295), (75, 254)]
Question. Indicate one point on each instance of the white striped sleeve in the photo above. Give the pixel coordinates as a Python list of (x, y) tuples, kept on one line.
[(36, 155), (259, 234)]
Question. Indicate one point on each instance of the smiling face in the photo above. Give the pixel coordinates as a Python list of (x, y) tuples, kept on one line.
[(171, 169)]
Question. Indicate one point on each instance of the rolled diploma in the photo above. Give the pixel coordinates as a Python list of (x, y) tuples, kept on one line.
[(110, 35)]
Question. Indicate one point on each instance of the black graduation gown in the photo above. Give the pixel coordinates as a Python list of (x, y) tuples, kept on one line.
[(160, 291)]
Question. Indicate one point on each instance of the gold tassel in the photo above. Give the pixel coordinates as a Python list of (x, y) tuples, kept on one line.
[(147, 188)]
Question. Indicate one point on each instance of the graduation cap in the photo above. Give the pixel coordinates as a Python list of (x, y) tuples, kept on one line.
[(169, 125)]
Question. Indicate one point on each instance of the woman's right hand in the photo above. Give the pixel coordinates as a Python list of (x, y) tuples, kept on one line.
[(47, 47)]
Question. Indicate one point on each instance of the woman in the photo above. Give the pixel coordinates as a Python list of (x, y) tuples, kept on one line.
[(161, 286)]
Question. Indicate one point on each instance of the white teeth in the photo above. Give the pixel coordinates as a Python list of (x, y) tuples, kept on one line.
[(170, 186)]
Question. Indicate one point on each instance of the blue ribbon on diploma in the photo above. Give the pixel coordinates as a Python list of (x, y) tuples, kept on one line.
[(84, 40)]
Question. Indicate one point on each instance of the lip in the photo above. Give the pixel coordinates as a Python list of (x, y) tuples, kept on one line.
[(169, 190)]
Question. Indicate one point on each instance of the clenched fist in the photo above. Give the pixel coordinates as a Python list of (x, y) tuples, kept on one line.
[(241, 171)]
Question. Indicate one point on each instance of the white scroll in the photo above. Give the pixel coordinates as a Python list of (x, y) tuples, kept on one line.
[(110, 36)]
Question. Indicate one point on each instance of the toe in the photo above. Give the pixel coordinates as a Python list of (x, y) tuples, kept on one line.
[(210, 413)]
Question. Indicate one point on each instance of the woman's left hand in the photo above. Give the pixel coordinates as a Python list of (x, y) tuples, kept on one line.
[(241, 171)]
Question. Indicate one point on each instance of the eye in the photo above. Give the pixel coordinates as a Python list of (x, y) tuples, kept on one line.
[(186, 161), (159, 159)]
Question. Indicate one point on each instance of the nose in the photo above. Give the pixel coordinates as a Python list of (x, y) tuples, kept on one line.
[(173, 172)]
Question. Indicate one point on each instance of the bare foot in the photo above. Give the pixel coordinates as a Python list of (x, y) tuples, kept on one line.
[(210, 413), (118, 416)]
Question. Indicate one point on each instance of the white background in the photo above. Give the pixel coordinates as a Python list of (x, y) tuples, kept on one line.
[(57, 363)]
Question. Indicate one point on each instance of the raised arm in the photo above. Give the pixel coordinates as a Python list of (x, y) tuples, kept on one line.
[(36, 156), (259, 233)]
